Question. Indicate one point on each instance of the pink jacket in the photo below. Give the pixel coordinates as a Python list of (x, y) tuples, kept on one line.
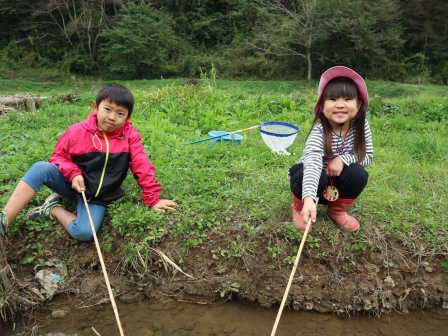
[(103, 161)]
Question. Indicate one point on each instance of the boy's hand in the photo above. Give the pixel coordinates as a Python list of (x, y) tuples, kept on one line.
[(163, 205), (78, 183)]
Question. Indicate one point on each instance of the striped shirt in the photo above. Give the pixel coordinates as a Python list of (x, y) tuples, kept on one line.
[(314, 161)]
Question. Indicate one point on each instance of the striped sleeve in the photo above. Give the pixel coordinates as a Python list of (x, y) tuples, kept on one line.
[(312, 162)]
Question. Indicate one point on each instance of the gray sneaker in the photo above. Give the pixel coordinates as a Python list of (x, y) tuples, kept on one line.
[(44, 211), (3, 223)]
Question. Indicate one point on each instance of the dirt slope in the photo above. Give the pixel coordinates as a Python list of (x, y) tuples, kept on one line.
[(376, 281)]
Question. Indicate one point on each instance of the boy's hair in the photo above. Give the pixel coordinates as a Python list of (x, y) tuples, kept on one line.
[(343, 87), (118, 94)]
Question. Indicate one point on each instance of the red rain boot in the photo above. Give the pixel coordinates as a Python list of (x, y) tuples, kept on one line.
[(337, 212), (297, 218)]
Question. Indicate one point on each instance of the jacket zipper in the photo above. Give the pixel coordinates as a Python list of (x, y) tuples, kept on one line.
[(105, 164)]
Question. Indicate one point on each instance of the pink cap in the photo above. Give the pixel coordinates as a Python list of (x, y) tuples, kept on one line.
[(341, 71)]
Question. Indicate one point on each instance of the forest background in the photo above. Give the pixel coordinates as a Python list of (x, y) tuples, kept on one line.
[(398, 40)]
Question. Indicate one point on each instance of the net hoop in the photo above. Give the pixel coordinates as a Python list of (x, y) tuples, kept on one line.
[(278, 123)]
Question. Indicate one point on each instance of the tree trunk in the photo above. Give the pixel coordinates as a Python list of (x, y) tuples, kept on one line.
[(17, 102)]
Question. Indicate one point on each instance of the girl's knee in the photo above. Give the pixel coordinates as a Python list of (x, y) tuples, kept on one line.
[(355, 167), (356, 171)]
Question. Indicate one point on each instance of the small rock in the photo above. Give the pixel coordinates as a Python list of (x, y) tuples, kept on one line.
[(389, 282), (59, 313), (129, 298), (429, 269), (309, 305)]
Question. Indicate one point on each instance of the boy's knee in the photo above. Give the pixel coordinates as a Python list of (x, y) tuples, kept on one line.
[(83, 236), (41, 165), (42, 169), (79, 233)]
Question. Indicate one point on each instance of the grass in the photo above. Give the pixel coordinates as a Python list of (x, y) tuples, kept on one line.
[(236, 195)]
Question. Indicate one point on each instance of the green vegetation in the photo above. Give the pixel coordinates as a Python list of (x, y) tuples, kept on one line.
[(232, 197)]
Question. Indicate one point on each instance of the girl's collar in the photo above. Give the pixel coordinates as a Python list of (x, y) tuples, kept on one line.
[(342, 130)]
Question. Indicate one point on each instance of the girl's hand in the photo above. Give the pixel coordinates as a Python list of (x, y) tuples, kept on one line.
[(163, 205), (309, 210), (335, 167), (78, 183)]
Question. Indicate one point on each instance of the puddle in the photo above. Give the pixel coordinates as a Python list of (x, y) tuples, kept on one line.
[(233, 318)]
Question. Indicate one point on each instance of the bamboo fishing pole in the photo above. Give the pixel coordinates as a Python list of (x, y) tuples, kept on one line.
[(291, 277), (103, 267)]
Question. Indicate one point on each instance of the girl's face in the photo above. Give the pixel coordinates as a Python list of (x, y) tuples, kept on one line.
[(110, 116), (340, 110)]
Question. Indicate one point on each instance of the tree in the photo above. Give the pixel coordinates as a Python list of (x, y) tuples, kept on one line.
[(291, 29), (363, 34), (359, 33), (6, 22), (77, 22), (140, 41), (65, 31), (426, 35)]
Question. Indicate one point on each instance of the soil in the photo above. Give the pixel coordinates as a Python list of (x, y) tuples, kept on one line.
[(377, 280)]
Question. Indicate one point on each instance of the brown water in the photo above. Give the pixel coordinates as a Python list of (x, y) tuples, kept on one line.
[(232, 318)]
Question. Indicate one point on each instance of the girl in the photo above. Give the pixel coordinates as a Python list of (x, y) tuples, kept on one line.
[(336, 151)]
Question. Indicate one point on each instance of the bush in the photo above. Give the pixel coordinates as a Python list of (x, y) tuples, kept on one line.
[(139, 43)]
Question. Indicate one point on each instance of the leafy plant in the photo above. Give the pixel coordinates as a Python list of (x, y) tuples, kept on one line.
[(444, 264), (37, 252), (227, 289)]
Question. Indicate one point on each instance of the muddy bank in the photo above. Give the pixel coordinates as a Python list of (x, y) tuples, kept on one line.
[(371, 286), (374, 281)]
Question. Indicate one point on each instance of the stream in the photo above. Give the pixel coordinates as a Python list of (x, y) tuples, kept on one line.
[(231, 318)]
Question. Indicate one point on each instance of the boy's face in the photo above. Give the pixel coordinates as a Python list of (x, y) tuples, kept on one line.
[(111, 117)]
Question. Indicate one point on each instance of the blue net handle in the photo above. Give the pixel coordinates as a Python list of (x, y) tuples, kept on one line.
[(292, 129)]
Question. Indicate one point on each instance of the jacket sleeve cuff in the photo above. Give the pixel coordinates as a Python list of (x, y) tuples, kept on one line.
[(150, 202), (72, 176)]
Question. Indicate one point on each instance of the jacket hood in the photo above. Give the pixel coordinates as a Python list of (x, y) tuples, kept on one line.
[(90, 124)]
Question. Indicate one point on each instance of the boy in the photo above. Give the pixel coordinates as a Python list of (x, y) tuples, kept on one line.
[(92, 156)]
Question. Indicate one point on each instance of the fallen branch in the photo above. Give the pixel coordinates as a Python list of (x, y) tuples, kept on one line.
[(172, 263)]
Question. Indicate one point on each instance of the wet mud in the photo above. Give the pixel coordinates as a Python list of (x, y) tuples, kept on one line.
[(144, 317)]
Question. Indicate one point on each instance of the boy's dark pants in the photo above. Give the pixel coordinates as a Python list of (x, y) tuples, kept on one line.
[(350, 183)]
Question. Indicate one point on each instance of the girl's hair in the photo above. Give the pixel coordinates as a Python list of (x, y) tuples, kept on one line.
[(118, 94), (336, 88)]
